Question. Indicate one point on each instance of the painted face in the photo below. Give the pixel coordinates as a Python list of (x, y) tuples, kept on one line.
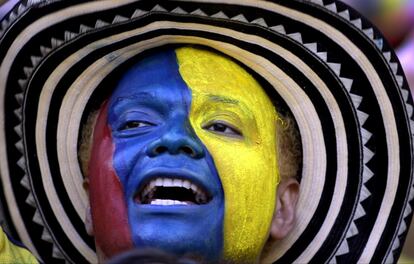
[(193, 153)]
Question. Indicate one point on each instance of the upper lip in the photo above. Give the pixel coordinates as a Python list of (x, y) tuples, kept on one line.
[(173, 178)]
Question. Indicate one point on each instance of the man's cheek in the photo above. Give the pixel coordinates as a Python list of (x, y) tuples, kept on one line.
[(109, 213), (247, 214), (128, 154), (124, 160)]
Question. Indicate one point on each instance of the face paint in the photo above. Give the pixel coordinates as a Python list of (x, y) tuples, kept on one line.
[(172, 191), (106, 195), (234, 118)]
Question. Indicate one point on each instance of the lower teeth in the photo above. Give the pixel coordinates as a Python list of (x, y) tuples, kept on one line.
[(167, 202)]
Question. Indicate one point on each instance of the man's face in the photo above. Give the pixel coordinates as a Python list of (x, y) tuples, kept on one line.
[(186, 145)]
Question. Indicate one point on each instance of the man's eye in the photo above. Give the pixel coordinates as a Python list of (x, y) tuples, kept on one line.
[(135, 124), (222, 128)]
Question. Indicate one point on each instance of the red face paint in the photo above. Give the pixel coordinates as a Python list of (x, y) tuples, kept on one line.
[(109, 213)]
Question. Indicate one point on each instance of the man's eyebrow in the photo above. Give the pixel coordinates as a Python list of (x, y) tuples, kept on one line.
[(136, 96), (223, 99), (231, 101)]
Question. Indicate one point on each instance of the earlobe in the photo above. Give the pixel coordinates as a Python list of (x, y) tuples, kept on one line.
[(88, 221), (285, 212), (88, 215), (89, 230)]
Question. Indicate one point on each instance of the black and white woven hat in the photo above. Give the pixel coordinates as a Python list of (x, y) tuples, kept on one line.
[(332, 69)]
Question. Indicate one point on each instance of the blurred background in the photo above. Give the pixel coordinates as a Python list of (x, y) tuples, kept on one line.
[(395, 18)]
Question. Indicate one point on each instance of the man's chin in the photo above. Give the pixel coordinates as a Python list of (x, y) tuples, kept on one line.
[(180, 229)]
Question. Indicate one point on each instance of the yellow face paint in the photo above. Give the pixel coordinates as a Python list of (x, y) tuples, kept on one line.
[(224, 93)]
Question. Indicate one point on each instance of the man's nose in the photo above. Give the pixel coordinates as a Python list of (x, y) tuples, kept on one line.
[(179, 139)]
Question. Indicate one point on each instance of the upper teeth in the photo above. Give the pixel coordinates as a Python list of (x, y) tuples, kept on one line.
[(200, 195)]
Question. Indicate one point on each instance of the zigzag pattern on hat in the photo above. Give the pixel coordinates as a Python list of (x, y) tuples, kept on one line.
[(369, 32), (362, 117), (11, 17), (25, 181), (280, 29), (15, 13), (366, 135), (408, 210), (368, 154), (394, 66)]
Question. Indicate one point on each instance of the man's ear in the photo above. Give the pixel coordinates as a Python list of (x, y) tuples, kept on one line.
[(285, 212), (88, 215), (88, 221), (89, 230)]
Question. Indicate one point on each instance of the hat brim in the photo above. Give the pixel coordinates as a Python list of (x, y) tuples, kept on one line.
[(331, 68)]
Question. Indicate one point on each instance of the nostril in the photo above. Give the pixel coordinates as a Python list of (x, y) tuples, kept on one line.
[(159, 150), (188, 150)]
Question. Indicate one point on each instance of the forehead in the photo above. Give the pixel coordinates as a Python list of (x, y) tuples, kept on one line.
[(157, 70), (217, 77), (205, 73)]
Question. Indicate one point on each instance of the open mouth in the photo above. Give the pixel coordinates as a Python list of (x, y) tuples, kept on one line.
[(169, 191)]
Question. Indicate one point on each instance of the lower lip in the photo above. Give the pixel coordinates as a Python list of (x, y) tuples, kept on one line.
[(153, 209), (169, 204)]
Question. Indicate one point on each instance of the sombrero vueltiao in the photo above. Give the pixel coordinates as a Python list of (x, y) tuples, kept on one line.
[(339, 78)]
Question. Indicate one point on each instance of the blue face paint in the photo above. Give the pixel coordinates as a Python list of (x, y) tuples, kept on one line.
[(155, 144)]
